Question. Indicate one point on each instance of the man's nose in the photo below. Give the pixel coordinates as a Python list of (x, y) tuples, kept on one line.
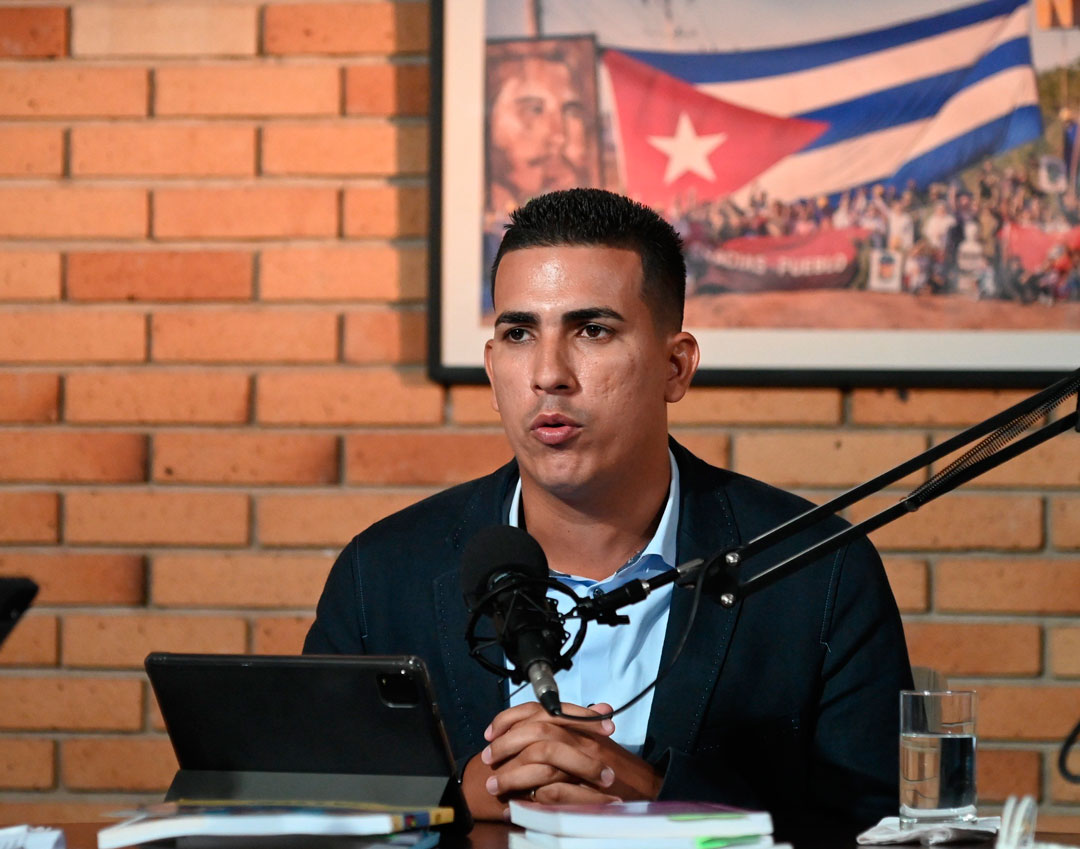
[(553, 369), (555, 138)]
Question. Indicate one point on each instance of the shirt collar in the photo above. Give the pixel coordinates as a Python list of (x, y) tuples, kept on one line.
[(654, 558)]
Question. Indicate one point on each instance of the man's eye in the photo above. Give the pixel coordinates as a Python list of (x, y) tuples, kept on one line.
[(595, 331), (516, 334)]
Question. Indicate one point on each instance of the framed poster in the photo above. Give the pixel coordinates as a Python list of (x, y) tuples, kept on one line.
[(866, 197)]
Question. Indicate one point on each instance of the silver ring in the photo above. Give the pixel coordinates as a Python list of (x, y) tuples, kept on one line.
[(532, 795)]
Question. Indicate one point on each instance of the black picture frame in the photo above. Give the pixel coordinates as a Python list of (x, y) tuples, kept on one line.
[(748, 357)]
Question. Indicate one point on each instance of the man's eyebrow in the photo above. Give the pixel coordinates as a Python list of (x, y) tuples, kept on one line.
[(514, 317), (591, 314)]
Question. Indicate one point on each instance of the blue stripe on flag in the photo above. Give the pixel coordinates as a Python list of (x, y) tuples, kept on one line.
[(1005, 133), (700, 68), (912, 101)]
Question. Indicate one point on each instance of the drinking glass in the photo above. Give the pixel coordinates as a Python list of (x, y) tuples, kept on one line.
[(937, 757)]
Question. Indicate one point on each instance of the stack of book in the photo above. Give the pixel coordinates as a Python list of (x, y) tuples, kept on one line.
[(639, 825), (366, 825)]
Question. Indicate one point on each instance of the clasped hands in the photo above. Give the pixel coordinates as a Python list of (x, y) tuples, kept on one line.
[(532, 755)]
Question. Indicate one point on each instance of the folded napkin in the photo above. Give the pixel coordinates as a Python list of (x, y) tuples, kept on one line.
[(889, 831), (31, 837)]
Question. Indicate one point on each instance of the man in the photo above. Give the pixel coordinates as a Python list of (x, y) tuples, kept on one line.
[(785, 701), (541, 117)]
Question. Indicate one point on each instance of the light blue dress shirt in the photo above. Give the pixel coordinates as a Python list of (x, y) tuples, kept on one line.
[(614, 664)]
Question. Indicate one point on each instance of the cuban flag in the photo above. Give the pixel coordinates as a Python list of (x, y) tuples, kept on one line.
[(916, 101)]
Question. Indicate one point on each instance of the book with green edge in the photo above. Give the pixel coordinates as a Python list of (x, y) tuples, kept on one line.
[(642, 819)]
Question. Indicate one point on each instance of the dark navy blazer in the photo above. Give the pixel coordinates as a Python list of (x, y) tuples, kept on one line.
[(786, 702)]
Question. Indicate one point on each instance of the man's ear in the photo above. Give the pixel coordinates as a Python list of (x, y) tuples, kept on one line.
[(490, 374), (683, 358)]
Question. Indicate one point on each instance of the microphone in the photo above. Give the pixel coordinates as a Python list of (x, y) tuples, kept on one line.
[(504, 575)]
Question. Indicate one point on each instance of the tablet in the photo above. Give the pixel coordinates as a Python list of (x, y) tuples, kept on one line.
[(358, 728)]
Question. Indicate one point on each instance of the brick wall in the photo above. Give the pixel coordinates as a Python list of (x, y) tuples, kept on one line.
[(212, 278)]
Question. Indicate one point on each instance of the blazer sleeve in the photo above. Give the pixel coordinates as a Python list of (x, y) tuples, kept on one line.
[(849, 773), (340, 620), (855, 767)]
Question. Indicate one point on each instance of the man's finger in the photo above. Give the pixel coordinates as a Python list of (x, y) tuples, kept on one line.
[(562, 793), (564, 756), (506, 719)]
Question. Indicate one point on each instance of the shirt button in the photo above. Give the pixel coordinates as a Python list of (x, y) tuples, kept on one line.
[(597, 592)]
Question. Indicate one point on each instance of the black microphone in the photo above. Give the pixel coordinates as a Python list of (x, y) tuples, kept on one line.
[(504, 574)]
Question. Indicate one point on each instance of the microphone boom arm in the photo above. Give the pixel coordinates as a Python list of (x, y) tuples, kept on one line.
[(722, 571)]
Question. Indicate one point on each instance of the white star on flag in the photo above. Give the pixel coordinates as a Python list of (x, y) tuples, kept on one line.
[(687, 151)]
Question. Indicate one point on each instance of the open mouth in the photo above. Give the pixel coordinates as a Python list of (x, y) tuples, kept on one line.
[(555, 429)]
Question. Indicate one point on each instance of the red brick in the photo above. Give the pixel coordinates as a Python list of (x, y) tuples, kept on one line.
[(423, 457), (124, 640), (164, 29), (30, 91), (1026, 713), (239, 580), (345, 28), (346, 396), (1001, 773), (28, 32), (252, 335), (162, 150), (29, 397), (1052, 464), (32, 642), (367, 272), (67, 335), (1059, 824), (159, 276), (1005, 585), (957, 648), (30, 151), (71, 703), (386, 336), (156, 397), (471, 405), (727, 405), (908, 580), (833, 458), (960, 522), (711, 446), (387, 90), (325, 519), (154, 517), (930, 407), (135, 764), (280, 634), (239, 90), (1065, 651), (64, 577), (28, 517), (72, 212), (254, 212), (29, 276), (1065, 521), (246, 457), (309, 149), (1060, 789), (72, 456), (27, 764), (386, 211)]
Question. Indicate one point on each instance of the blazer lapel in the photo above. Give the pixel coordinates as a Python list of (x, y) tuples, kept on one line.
[(706, 526), (477, 694)]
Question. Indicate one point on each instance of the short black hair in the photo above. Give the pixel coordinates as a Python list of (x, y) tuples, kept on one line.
[(582, 217)]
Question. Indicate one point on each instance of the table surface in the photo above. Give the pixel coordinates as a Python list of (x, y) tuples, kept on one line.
[(486, 835)]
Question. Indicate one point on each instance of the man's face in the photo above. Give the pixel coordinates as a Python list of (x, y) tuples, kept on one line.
[(580, 374), (538, 135)]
